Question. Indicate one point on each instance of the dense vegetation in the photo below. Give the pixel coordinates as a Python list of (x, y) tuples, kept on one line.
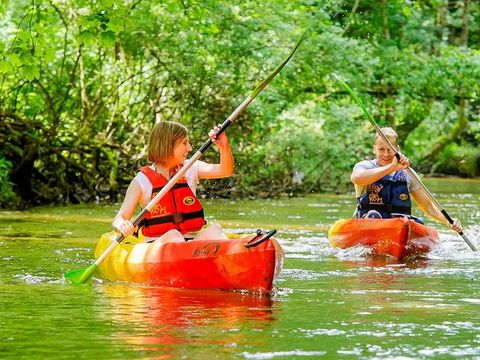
[(82, 82)]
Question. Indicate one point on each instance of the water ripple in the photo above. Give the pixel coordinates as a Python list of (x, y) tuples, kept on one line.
[(285, 354)]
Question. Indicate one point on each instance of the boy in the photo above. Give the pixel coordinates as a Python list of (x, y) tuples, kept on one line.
[(383, 187)]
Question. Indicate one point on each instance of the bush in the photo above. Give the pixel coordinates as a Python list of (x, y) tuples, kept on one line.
[(7, 195), (463, 160), (310, 151)]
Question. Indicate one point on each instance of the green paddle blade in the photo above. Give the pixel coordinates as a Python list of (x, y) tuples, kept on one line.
[(357, 99), (80, 276), (279, 68)]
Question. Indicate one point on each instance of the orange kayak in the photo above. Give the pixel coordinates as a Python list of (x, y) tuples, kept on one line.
[(201, 264), (398, 237)]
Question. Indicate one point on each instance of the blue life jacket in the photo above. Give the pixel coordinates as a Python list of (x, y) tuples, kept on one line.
[(387, 195)]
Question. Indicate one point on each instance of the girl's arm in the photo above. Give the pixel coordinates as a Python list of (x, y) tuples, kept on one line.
[(122, 222), (226, 165)]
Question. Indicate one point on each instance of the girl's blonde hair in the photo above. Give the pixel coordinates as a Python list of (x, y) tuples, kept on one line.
[(163, 138), (390, 135)]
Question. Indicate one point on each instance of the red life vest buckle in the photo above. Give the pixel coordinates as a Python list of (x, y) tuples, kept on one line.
[(177, 218)]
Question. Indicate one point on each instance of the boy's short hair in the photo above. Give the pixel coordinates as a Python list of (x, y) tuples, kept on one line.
[(389, 133)]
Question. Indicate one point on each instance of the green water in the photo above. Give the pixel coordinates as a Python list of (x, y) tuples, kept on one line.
[(327, 303)]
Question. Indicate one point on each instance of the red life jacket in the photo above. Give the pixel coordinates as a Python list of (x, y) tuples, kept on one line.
[(178, 209)]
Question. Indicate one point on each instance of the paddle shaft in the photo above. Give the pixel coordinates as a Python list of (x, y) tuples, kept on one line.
[(410, 171), (209, 142), (200, 152)]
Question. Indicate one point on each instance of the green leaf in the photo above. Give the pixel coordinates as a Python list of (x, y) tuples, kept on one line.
[(407, 11), (83, 21), (116, 24), (86, 37), (31, 72), (107, 38), (26, 58), (23, 35), (49, 55), (14, 59), (91, 21), (107, 3), (5, 67)]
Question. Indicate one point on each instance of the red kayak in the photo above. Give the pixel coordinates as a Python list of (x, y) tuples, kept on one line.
[(399, 237), (240, 263)]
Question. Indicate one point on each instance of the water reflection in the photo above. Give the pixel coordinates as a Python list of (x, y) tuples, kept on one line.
[(382, 274), (383, 286), (379, 261), (161, 317)]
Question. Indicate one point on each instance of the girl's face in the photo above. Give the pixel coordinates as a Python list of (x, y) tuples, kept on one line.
[(383, 153), (180, 151)]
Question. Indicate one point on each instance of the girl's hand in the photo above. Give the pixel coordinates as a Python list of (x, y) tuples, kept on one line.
[(221, 141), (123, 226)]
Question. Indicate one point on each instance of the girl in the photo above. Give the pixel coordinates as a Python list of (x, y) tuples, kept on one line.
[(179, 214)]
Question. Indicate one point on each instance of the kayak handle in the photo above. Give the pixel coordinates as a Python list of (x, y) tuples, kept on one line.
[(254, 242)]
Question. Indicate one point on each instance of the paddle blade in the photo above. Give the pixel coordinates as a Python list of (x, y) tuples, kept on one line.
[(357, 99), (80, 276), (279, 68)]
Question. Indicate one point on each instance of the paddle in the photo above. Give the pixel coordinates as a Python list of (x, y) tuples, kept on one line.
[(81, 276), (412, 174)]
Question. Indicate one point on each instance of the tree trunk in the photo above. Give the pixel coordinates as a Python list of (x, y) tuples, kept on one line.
[(351, 17), (466, 20), (462, 121), (386, 29), (457, 129), (440, 23)]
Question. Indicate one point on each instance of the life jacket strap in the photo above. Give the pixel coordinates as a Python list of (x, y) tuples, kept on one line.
[(388, 208), (176, 218), (176, 186)]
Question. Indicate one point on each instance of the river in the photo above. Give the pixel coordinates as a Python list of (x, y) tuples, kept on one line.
[(327, 303)]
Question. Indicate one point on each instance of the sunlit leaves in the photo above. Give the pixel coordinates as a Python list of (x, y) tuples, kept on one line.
[(103, 22), (107, 38), (31, 72), (5, 67), (86, 37), (3, 7), (14, 60)]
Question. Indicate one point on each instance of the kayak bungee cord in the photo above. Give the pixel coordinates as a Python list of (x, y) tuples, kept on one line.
[(81, 276), (412, 174)]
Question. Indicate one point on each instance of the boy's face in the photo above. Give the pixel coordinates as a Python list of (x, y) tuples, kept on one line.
[(382, 151)]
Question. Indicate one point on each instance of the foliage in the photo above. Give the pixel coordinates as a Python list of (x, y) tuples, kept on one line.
[(283, 153), (7, 196), (461, 159), (82, 83)]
